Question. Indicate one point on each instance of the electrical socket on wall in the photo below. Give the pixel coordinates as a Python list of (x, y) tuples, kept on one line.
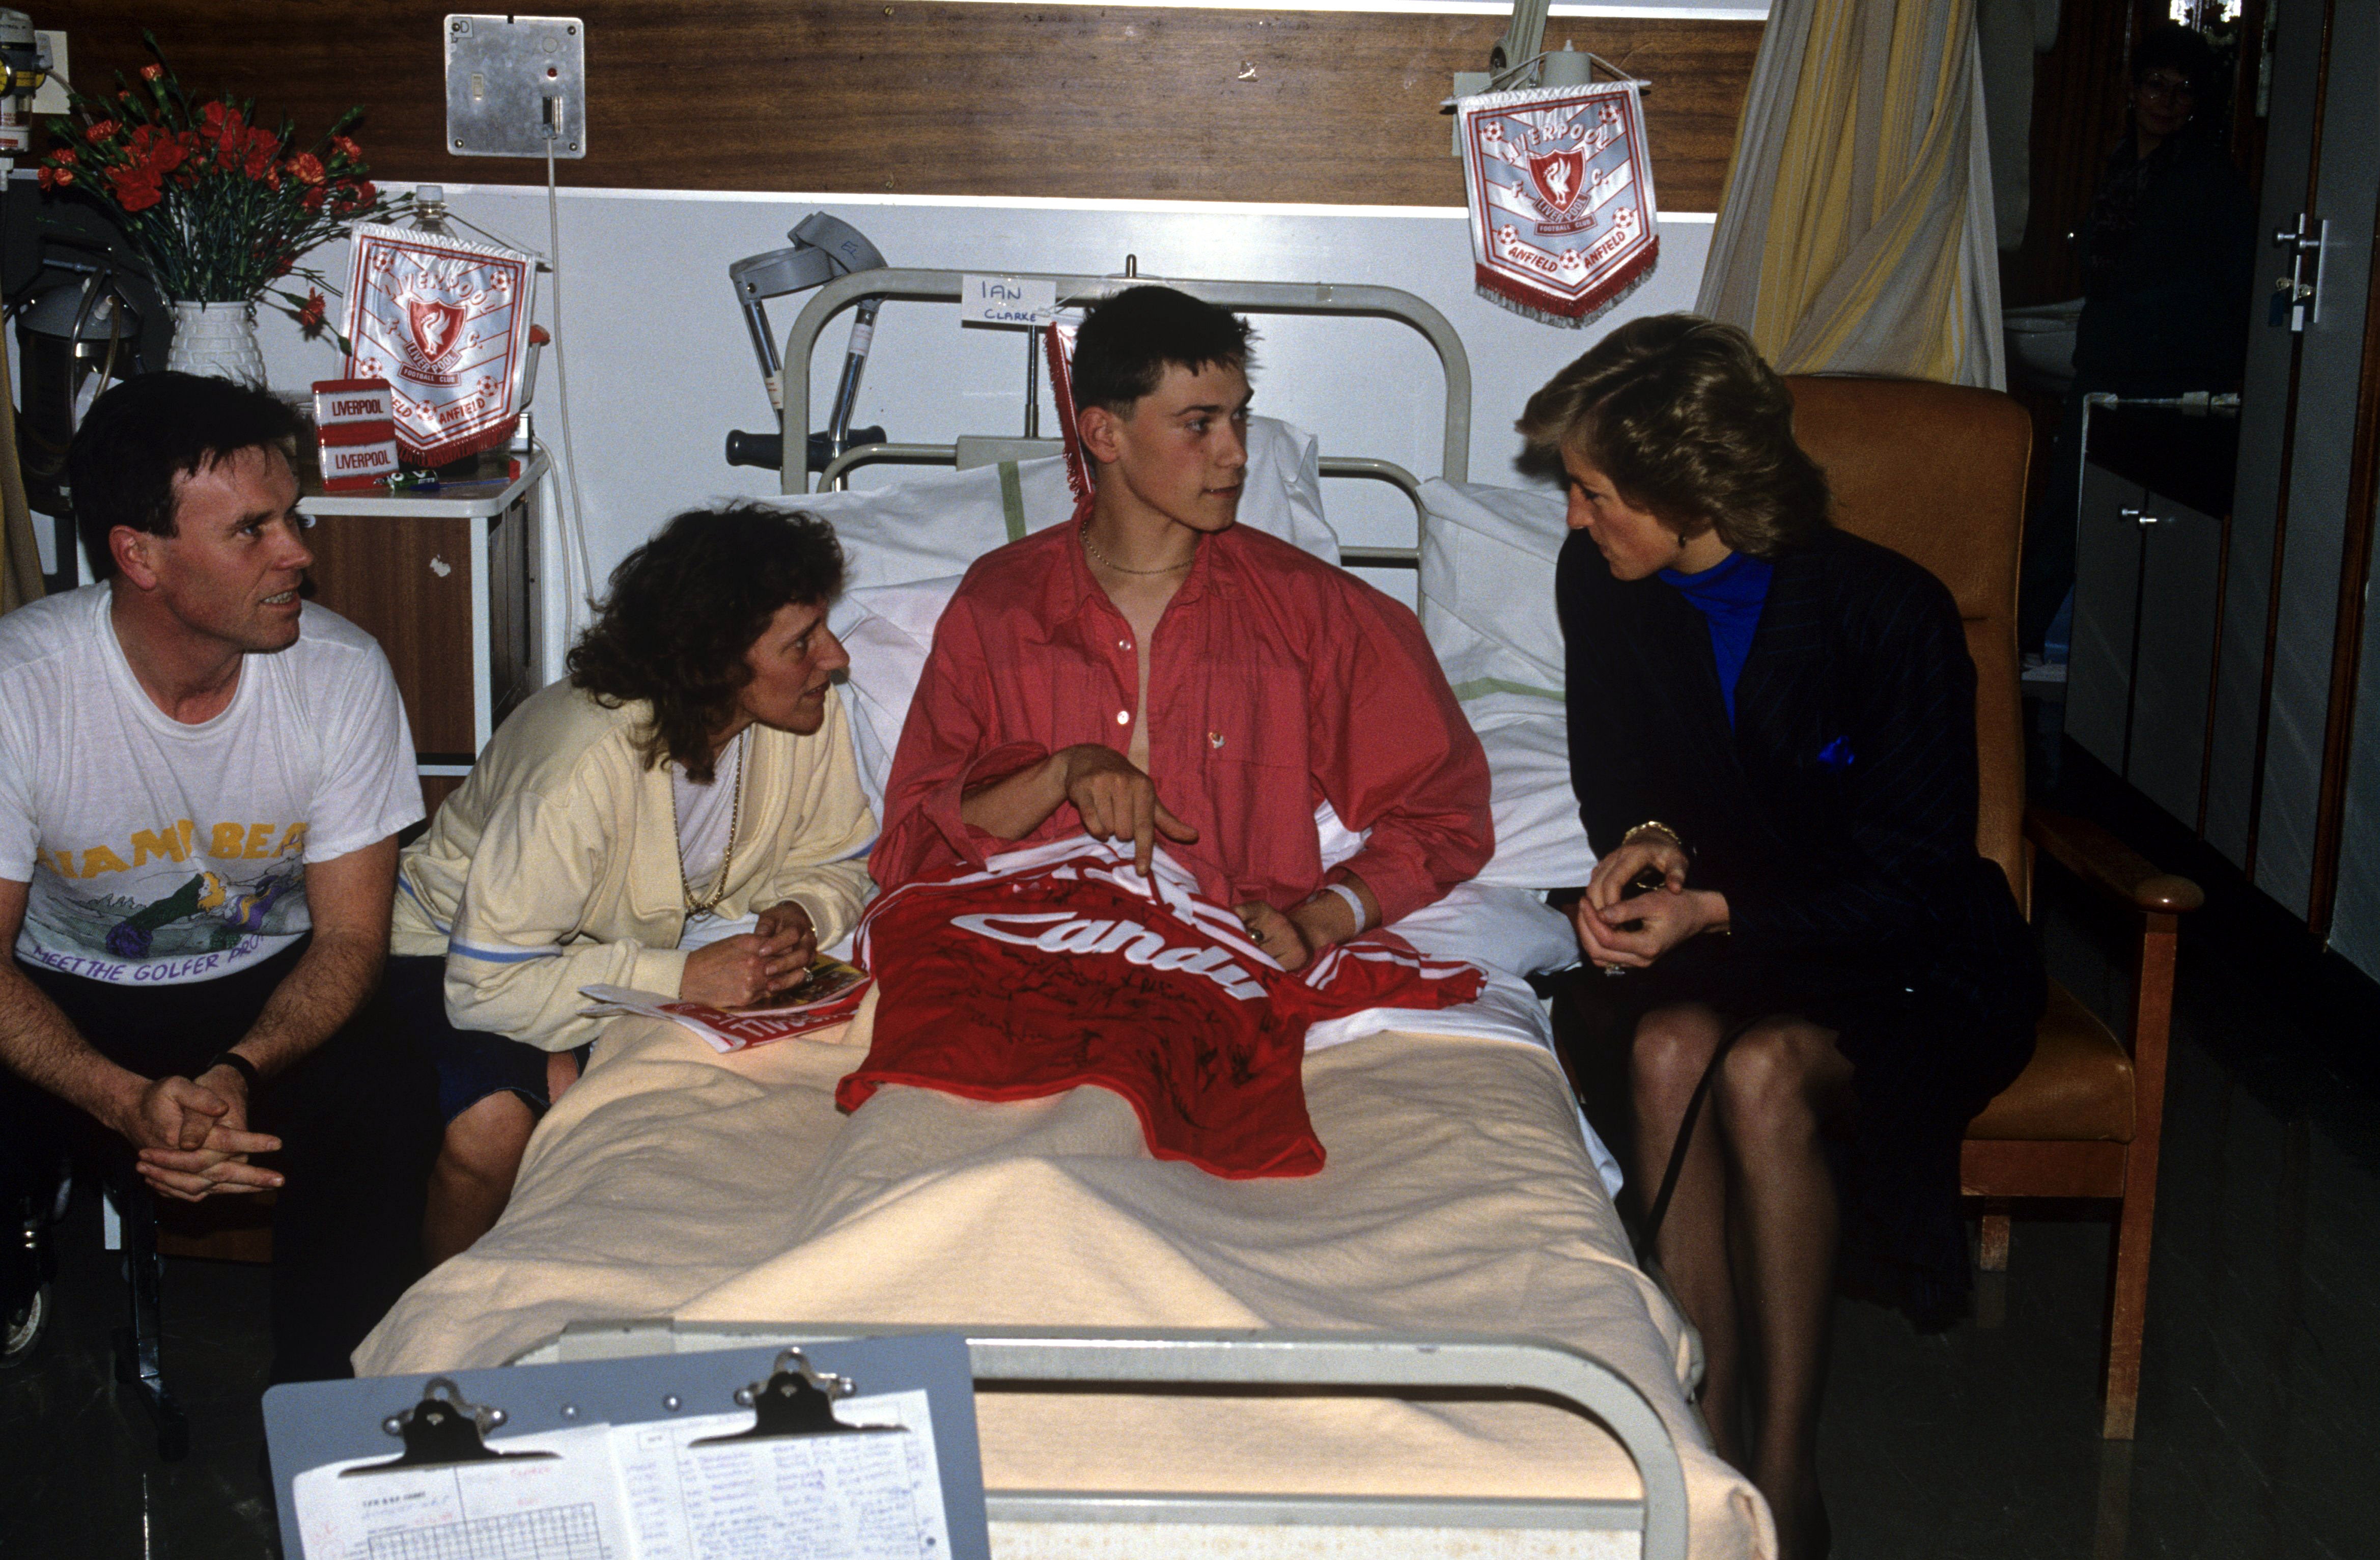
[(515, 86), (52, 98)]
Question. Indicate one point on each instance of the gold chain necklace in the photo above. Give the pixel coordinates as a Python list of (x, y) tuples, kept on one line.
[(1092, 548), (694, 907)]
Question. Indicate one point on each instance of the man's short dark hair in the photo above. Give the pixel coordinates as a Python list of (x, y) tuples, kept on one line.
[(684, 608), (1127, 342), (153, 429)]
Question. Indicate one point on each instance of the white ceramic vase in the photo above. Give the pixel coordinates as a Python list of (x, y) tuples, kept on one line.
[(217, 339)]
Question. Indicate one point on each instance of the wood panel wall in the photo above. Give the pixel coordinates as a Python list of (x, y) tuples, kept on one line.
[(917, 97)]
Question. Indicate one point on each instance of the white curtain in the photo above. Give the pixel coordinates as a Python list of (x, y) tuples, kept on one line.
[(1856, 235)]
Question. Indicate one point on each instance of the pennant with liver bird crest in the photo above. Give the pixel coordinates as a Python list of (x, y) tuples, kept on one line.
[(446, 323), (1560, 188)]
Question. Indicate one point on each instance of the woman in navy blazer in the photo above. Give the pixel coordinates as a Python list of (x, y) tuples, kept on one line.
[(1776, 720)]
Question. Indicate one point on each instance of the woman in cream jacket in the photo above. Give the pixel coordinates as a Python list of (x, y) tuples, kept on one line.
[(683, 816)]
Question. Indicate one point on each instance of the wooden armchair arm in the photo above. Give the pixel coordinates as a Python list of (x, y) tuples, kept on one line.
[(2110, 865)]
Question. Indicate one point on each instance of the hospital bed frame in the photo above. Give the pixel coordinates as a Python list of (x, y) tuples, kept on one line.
[(1478, 1365), (1263, 297)]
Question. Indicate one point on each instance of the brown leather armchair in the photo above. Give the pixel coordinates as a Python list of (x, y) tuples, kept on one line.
[(1937, 473)]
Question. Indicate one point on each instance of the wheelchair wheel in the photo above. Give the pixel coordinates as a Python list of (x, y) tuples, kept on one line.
[(21, 1329)]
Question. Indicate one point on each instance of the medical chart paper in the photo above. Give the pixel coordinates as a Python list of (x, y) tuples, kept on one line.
[(823, 1497), (648, 1491), (563, 1508)]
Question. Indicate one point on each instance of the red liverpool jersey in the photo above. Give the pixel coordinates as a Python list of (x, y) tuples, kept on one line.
[(1059, 965)]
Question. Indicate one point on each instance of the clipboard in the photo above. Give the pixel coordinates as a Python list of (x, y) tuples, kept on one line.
[(779, 1397)]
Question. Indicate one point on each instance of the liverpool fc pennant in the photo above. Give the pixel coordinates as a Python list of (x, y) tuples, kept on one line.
[(446, 323), (1561, 190)]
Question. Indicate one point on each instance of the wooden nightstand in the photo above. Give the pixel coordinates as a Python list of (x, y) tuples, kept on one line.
[(447, 582)]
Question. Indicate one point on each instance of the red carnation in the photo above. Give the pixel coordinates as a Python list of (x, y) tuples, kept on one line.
[(64, 157), (220, 121), (100, 131), (306, 168), (55, 178), (154, 154), (263, 146), (348, 149), (152, 72), (136, 188), (312, 199), (311, 315)]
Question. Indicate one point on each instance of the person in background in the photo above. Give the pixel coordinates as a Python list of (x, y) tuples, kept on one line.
[(202, 781), (1772, 722), (683, 816), (2168, 257)]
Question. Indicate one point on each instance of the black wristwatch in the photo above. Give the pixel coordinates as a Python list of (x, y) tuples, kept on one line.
[(240, 1065)]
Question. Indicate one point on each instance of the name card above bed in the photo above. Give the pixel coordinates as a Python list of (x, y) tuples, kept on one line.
[(1007, 300)]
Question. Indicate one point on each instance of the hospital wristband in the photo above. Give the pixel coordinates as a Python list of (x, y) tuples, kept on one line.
[(1354, 901)]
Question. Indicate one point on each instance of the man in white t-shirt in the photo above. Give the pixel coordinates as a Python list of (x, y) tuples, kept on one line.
[(201, 780)]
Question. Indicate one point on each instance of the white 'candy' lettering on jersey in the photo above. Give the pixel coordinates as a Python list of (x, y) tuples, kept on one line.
[(1060, 932)]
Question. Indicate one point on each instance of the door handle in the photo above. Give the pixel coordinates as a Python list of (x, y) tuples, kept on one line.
[(2297, 297), (2139, 516)]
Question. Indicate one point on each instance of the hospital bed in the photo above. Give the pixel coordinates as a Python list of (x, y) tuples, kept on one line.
[(1438, 1345)]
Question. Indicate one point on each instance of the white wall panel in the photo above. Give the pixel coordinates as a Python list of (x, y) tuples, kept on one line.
[(661, 367)]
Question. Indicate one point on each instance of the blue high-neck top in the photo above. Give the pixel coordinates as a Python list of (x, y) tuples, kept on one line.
[(1728, 594)]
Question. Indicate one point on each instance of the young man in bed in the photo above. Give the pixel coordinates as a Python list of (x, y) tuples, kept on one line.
[(1154, 673)]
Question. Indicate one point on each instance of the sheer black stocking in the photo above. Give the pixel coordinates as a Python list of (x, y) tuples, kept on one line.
[(1749, 1241)]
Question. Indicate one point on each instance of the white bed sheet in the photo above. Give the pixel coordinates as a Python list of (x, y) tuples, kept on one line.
[(672, 1181)]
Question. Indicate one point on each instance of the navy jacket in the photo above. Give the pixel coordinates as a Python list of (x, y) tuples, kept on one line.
[(1838, 816)]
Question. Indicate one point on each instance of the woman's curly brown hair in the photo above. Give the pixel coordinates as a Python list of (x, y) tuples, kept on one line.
[(684, 608), (1686, 421)]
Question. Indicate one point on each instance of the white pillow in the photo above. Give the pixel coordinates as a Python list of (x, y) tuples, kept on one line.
[(1488, 559), (887, 629), (927, 527), (1487, 565)]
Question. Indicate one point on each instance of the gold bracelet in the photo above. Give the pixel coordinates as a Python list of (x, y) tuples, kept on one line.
[(1675, 838)]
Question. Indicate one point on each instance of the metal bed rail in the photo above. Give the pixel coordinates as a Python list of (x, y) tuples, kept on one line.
[(1488, 1364), (1263, 297)]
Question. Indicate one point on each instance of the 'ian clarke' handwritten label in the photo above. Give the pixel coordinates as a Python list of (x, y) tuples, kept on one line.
[(1007, 300)]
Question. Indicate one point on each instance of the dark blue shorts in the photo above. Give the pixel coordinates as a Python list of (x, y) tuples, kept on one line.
[(472, 1063)]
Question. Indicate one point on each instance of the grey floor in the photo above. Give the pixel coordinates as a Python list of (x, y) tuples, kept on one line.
[(2257, 1428)]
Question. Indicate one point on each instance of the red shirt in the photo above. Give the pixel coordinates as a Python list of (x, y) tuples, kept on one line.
[(1276, 681)]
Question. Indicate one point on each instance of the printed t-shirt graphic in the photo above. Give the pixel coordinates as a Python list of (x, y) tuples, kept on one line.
[(160, 853), (1060, 965)]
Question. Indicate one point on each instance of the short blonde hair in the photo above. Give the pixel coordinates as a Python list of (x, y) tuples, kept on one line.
[(1690, 424)]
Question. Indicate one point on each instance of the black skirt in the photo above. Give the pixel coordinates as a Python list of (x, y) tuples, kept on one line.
[(1929, 1047)]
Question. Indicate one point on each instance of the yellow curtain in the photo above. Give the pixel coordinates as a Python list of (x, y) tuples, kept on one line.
[(21, 553), (1856, 231)]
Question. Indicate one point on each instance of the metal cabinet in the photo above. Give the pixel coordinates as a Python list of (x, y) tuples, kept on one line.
[(2147, 592)]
